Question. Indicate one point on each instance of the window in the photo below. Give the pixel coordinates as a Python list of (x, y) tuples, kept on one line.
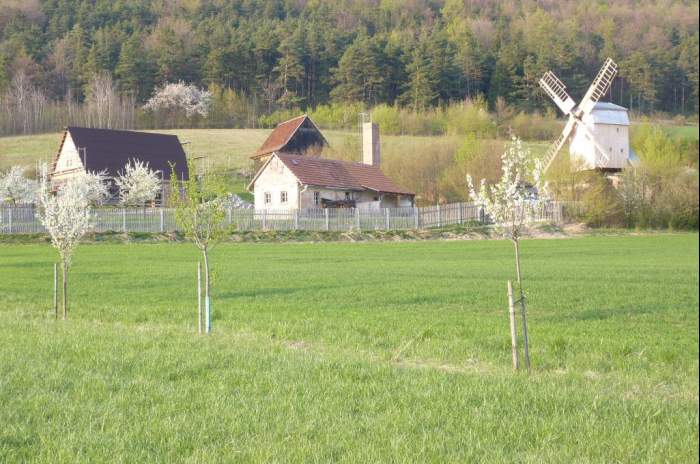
[(348, 196), (617, 129), (283, 197), (268, 198), (317, 198)]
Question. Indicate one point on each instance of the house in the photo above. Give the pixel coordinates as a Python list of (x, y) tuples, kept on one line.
[(85, 149), (292, 178), (609, 124)]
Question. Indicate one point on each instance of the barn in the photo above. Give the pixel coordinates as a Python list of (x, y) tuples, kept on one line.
[(95, 150), (293, 175)]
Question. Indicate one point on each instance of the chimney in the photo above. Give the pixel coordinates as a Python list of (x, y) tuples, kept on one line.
[(370, 143)]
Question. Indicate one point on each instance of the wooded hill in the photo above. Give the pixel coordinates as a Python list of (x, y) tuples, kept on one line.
[(282, 54)]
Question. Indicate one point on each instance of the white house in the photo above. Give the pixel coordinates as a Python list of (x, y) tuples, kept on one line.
[(609, 124), (299, 180)]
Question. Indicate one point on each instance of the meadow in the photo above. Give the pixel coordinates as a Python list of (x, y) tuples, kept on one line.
[(353, 352)]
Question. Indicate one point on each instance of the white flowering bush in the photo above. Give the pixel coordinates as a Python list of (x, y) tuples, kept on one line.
[(179, 96), (65, 214), (95, 186), (519, 197), (138, 183), (16, 188)]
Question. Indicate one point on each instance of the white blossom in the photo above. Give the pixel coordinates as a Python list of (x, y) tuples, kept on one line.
[(16, 188), (180, 96), (65, 214), (519, 196), (138, 184)]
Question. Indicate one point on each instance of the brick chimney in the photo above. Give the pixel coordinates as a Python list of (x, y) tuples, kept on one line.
[(370, 144)]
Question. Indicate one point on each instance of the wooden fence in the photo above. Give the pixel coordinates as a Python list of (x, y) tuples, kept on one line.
[(23, 219)]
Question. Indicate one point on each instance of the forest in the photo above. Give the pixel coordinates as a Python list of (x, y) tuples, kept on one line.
[(264, 57)]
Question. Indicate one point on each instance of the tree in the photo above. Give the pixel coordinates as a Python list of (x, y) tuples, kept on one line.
[(201, 216), (65, 215), (138, 184), (15, 187), (178, 98), (517, 199)]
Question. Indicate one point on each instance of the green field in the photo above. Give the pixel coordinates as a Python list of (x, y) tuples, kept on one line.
[(302, 365)]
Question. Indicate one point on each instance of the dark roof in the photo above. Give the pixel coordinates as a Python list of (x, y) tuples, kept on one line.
[(111, 150), (283, 137), (339, 174)]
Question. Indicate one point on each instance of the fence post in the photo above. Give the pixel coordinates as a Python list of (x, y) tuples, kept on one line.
[(9, 220), (328, 223), (296, 219), (162, 222), (264, 219), (459, 209), (357, 219), (386, 218), (124, 219), (439, 215), (416, 218), (228, 214)]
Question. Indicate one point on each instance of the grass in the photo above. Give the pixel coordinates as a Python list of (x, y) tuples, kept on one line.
[(302, 364)]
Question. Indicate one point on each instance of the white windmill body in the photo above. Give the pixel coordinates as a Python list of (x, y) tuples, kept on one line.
[(609, 125), (599, 132)]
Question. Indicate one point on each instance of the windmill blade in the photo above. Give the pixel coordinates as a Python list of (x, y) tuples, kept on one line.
[(600, 86), (557, 145), (557, 92)]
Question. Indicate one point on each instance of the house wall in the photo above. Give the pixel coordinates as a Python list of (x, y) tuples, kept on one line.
[(276, 178), (69, 163), (611, 137)]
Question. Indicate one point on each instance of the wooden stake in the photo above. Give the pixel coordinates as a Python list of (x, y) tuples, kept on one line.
[(55, 290), (513, 329), (199, 297), (526, 341)]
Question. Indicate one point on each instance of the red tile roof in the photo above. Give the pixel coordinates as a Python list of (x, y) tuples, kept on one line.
[(339, 174), (281, 135)]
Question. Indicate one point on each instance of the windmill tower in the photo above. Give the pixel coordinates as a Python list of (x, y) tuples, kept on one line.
[(598, 131)]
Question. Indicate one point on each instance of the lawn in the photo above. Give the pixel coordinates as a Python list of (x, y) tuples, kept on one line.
[(304, 364)]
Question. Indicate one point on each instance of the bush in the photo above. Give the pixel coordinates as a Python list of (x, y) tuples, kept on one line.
[(602, 203)]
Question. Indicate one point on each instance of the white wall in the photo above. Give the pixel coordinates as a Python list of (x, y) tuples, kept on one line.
[(613, 138), (69, 162), (276, 178)]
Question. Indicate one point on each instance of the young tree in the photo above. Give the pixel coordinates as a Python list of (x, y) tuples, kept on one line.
[(200, 214), (65, 214), (15, 187), (138, 184), (518, 198)]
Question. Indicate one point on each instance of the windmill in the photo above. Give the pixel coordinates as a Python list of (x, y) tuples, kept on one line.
[(599, 132)]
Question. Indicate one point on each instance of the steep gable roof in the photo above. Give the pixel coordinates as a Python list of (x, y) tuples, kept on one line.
[(284, 134), (111, 150), (347, 175)]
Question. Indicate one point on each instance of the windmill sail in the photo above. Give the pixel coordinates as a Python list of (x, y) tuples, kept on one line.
[(557, 92), (600, 86), (554, 149)]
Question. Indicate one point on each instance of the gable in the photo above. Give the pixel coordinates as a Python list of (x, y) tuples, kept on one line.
[(68, 158), (297, 135)]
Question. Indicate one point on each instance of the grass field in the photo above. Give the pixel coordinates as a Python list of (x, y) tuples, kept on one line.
[(300, 366)]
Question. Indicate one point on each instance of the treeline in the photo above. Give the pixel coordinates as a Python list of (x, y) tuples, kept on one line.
[(263, 56)]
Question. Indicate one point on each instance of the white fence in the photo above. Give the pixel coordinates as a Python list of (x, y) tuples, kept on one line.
[(23, 219)]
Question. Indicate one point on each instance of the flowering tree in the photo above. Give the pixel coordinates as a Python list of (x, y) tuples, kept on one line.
[(138, 184), (200, 213), (518, 198), (95, 185), (15, 187), (65, 214), (178, 98)]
